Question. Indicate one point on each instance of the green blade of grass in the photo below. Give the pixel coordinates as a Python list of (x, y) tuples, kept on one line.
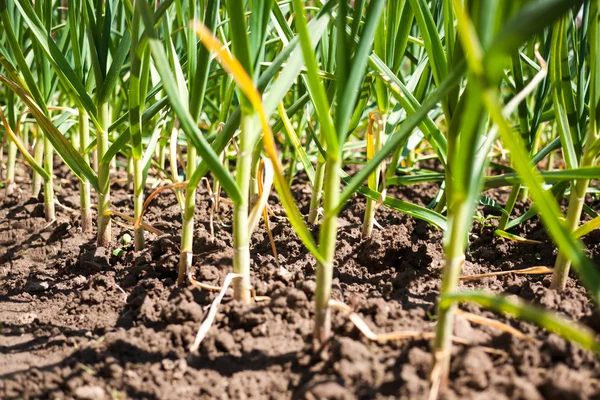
[(559, 94), (295, 141), (548, 176), (416, 211), (553, 322), (432, 39), (112, 76), (349, 89)]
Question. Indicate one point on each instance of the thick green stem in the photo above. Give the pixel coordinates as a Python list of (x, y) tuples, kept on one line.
[(162, 155), (256, 153), (104, 225), (130, 184), (84, 184), (138, 201), (113, 161), (327, 241), (576, 201), (315, 200), (454, 250), (523, 194), (174, 172), (135, 167), (241, 231), (25, 138), (588, 158), (189, 207), (441, 204), (12, 149), (49, 184), (94, 159), (369, 218), (38, 155), (10, 167)]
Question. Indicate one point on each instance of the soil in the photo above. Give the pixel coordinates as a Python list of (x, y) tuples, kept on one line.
[(80, 322)]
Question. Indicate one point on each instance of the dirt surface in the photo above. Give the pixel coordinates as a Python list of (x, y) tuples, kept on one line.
[(79, 322)]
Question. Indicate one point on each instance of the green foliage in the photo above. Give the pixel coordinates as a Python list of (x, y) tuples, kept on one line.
[(462, 87)]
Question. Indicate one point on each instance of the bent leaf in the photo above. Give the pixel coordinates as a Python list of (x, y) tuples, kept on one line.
[(62, 146), (553, 322)]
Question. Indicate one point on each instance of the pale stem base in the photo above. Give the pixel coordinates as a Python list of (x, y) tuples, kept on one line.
[(104, 221), (138, 202), (49, 184), (10, 168), (563, 264), (38, 155)]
